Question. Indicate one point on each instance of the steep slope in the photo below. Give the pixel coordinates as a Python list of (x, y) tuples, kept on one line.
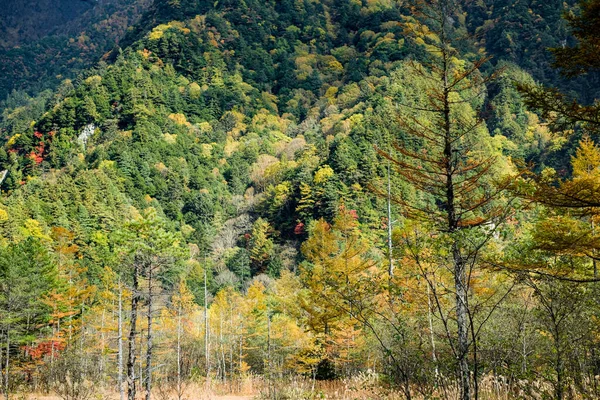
[(217, 138), (43, 42), (522, 31), (217, 120), (25, 21), (232, 119)]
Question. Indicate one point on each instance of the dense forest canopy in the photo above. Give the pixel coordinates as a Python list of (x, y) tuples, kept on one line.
[(43, 42), (300, 198)]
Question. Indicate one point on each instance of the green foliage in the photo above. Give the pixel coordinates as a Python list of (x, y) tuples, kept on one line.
[(27, 276), (226, 136)]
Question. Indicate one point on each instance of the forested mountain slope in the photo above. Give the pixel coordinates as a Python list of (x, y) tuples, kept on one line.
[(268, 163), (45, 42), (23, 21)]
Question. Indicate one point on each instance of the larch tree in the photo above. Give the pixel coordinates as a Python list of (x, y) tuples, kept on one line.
[(443, 152), (568, 215), (342, 283)]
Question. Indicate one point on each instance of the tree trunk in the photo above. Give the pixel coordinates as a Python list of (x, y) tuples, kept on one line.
[(179, 394), (141, 360), (82, 335), (7, 364), (431, 337), (558, 362), (389, 223), (460, 278), (103, 341), (269, 352), (149, 337), (120, 346), (241, 354), (1, 364), (131, 382), (206, 331)]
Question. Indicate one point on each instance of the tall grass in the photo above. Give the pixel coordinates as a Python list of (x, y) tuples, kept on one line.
[(363, 386)]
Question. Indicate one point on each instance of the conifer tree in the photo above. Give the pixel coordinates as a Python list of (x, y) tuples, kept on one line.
[(27, 275), (441, 152), (149, 248)]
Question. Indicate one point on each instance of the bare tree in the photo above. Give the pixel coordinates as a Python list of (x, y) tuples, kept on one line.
[(135, 299), (120, 345)]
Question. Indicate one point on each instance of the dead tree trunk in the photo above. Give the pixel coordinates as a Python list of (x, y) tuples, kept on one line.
[(206, 328), (179, 386), (131, 359), (120, 345), (149, 344)]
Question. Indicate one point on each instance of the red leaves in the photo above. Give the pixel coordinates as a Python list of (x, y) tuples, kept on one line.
[(384, 223), (37, 155), (299, 229), (353, 213), (44, 348)]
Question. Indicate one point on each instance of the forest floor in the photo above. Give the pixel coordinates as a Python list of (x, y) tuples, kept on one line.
[(202, 396)]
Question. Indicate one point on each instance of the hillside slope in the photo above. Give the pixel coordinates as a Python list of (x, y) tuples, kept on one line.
[(44, 42), (251, 155)]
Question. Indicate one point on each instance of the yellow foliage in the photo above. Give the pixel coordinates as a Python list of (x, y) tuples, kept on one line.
[(194, 90), (204, 127), (161, 167), (157, 32), (269, 99), (206, 150), (145, 53), (323, 174), (93, 81), (331, 93), (238, 125), (586, 162), (179, 119), (33, 228), (356, 120), (259, 168), (186, 229), (335, 66), (169, 138), (106, 164), (281, 194), (12, 140), (160, 30), (231, 146)]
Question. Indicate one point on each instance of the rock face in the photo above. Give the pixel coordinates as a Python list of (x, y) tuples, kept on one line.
[(86, 134)]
